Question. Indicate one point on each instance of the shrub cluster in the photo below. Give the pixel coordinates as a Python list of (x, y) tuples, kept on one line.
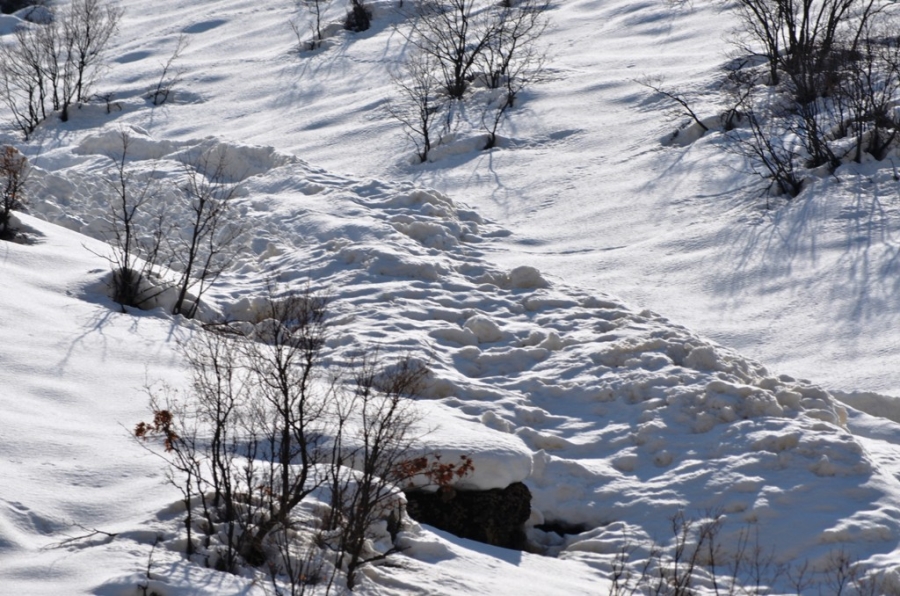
[(53, 64), (824, 93), (280, 464), (835, 72), (453, 45), (696, 560), (161, 258)]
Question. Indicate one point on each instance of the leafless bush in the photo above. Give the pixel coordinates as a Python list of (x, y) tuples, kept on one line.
[(137, 255), (422, 102), (456, 42), (768, 154), (866, 100), (657, 85), (87, 28), (316, 10), (842, 80), (454, 33), (13, 175), (800, 37), (512, 59), (176, 428), (50, 66), (147, 245), (694, 561), (170, 76), (812, 122), (253, 437), (385, 437), (205, 249), (28, 72)]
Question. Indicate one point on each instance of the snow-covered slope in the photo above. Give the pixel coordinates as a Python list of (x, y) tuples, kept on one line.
[(584, 181), (615, 417)]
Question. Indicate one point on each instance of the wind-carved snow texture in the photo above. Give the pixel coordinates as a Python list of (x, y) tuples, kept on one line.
[(615, 419)]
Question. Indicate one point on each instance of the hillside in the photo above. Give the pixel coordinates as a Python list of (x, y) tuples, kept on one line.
[(616, 322)]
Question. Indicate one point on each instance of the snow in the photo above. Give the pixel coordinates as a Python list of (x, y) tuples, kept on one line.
[(539, 282)]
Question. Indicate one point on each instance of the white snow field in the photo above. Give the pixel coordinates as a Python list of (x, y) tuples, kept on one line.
[(528, 278)]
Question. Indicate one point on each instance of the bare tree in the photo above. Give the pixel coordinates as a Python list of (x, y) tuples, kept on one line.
[(422, 101), (170, 76), (205, 250), (51, 65), (87, 28), (136, 252), (385, 438), (316, 10), (454, 33)]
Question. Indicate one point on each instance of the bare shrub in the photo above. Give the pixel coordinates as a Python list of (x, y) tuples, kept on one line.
[(27, 77), (454, 33), (316, 10), (50, 66), (767, 154), (205, 248), (675, 96), (87, 28), (457, 42), (265, 428), (422, 102), (169, 76), (137, 255), (385, 437), (800, 37), (13, 175), (177, 429), (694, 561), (866, 99), (511, 59)]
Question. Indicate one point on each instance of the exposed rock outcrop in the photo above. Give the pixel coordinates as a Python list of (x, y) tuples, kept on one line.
[(494, 516)]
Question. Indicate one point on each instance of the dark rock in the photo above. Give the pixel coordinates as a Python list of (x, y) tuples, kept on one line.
[(495, 516)]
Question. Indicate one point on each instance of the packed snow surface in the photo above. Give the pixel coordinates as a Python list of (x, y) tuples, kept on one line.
[(499, 270)]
